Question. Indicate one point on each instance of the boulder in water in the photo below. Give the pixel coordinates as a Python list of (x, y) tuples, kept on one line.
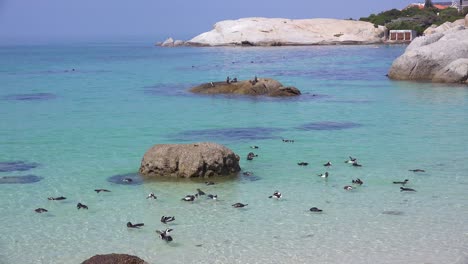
[(114, 259)]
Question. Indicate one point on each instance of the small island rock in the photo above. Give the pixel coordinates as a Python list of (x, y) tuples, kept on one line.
[(114, 259), (263, 86), (204, 159), (168, 43)]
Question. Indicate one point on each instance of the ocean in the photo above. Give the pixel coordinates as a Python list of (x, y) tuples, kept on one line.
[(75, 117)]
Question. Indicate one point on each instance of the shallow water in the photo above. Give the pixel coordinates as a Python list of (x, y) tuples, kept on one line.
[(87, 125)]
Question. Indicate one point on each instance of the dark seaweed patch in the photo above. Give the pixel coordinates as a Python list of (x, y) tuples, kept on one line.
[(228, 134), (19, 179), (136, 179), (7, 166), (30, 97), (328, 125)]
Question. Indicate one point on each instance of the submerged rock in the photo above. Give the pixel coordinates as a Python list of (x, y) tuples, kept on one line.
[(262, 86), (189, 160), (17, 165), (114, 259), (19, 179)]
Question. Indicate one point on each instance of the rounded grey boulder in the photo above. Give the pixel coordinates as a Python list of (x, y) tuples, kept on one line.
[(203, 159), (114, 259)]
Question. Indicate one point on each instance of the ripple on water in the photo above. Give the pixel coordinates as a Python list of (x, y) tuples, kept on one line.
[(30, 97), (18, 165), (19, 179), (228, 134), (328, 125)]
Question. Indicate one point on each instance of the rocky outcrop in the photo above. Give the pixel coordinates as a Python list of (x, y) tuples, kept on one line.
[(189, 160), (114, 259), (259, 31), (170, 42), (444, 27), (439, 57), (262, 86)]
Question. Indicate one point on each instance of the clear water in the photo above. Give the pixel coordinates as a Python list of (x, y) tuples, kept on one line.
[(87, 125)]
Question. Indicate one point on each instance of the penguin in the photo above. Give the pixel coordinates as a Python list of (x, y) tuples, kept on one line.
[(288, 140), (213, 196), (401, 182), (303, 163), (151, 196), (239, 205), (403, 189), (276, 195), (190, 198), (101, 190), (251, 155), (254, 147), (323, 175), (417, 170), (208, 183), (328, 164), (165, 235), (348, 188), (315, 209), (247, 173), (40, 210), (167, 219), (200, 192), (358, 181), (56, 198), (355, 164), (130, 225), (127, 180), (80, 205), (351, 160)]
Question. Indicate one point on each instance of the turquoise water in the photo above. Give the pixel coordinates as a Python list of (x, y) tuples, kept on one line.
[(83, 126)]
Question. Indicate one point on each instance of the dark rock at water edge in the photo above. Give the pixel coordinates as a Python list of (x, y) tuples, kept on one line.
[(7, 166), (114, 259), (204, 159), (19, 179), (258, 86)]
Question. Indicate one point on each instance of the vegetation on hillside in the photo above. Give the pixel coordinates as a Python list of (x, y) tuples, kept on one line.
[(414, 18)]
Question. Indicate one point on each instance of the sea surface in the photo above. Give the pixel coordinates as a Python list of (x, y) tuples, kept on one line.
[(74, 118)]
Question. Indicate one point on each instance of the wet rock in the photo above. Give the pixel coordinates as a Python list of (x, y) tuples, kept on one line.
[(203, 159), (19, 179), (114, 259)]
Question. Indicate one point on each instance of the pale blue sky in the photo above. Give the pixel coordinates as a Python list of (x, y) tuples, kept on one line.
[(156, 19)]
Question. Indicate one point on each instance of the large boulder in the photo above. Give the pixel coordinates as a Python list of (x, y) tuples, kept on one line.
[(262, 86), (440, 57), (114, 259), (189, 160), (259, 31), (444, 27)]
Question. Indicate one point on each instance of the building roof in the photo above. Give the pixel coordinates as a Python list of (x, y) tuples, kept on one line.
[(439, 5)]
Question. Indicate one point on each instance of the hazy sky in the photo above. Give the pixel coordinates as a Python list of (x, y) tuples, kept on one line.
[(56, 19)]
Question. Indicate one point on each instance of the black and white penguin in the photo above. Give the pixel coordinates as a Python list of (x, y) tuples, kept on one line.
[(200, 192), (127, 180), (356, 164), (403, 189), (417, 170), (288, 140), (239, 205), (254, 147), (40, 210), (401, 182), (151, 196), (101, 190), (80, 205), (56, 198), (208, 183), (247, 173), (351, 160), (165, 235), (348, 188), (213, 196), (328, 164), (190, 198), (303, 163), (167, 219), (251, 155), (130, 225), (315, 209), (357, 181), (323, 175), (276, 195)]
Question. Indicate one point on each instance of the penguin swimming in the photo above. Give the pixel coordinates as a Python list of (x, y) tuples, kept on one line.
[(208, 183), (239, 205), (328, 164), (276, 195), (323, 175), (247, 173), (315, 209), (355, 164), (40, 210), (403, 189), (200, 192), (303, 163), (80, 205), (130, 225), (190, 198), (127, 180), (167, 219), (151, 196), (164, 235), (212, 196), (56, 198), (101, 190), (417, 170), (357, 181), (251, 155), (401, 182), (254, 147), (348, 188), (351, 160), (288, 140)]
